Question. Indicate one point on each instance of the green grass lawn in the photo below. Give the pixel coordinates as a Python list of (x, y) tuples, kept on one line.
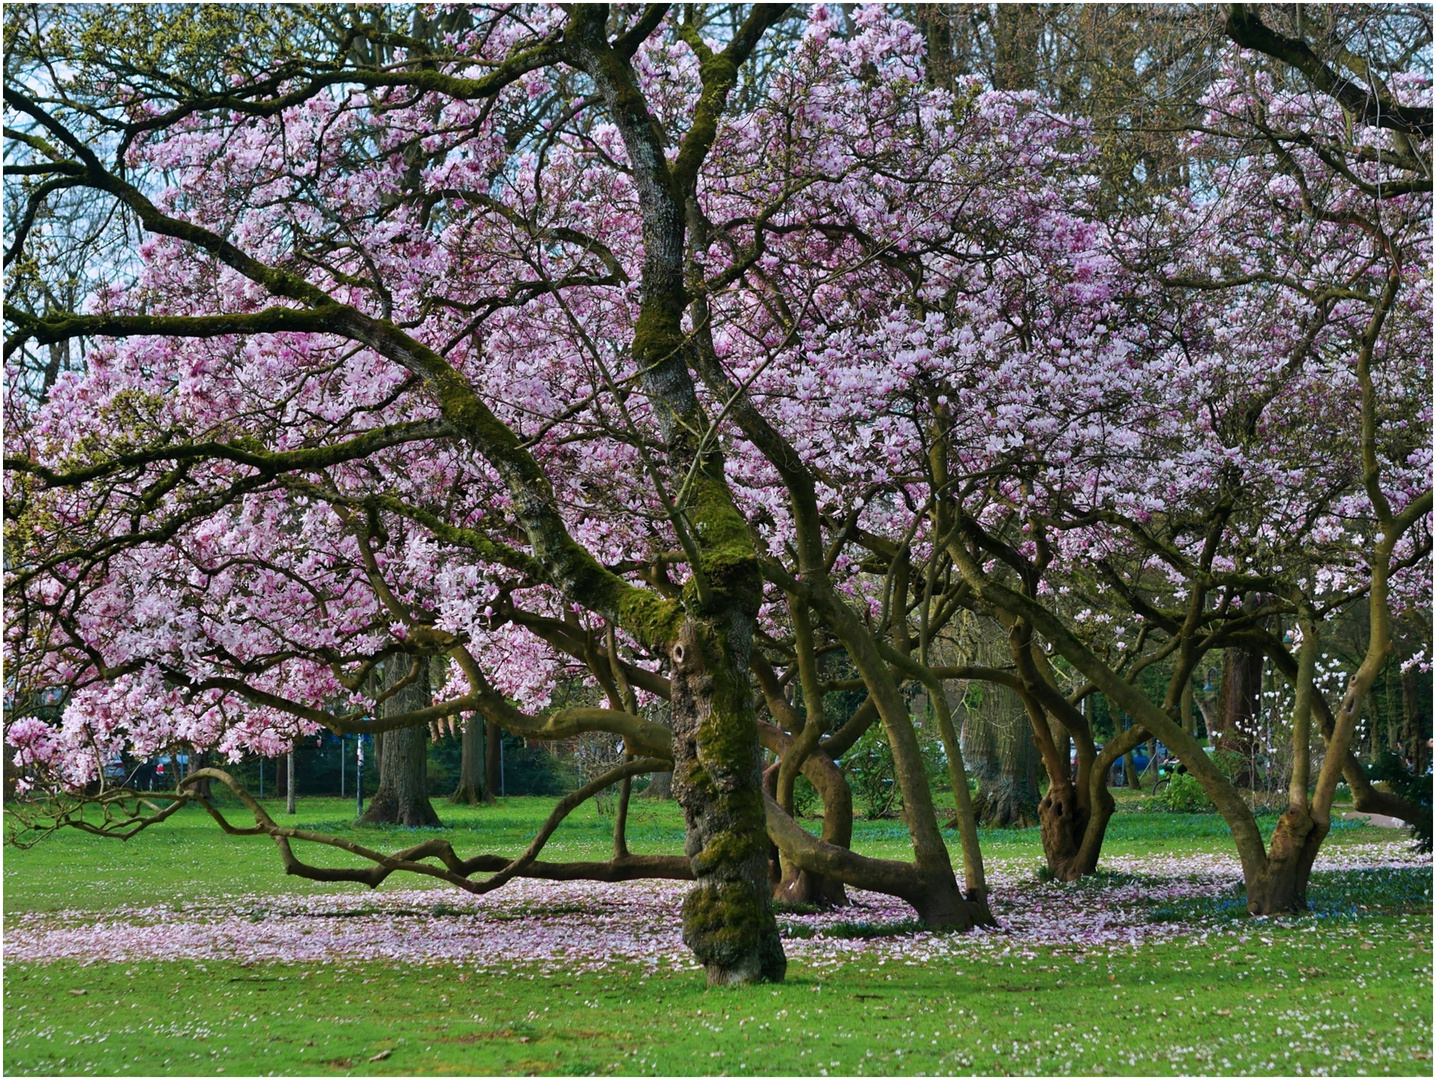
[(1362, 1004), (1345, 990)]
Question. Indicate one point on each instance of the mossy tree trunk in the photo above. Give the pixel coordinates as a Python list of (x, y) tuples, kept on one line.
[(727, 917)]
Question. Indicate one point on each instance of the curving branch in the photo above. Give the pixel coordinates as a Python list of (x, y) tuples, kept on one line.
[(900, 879), (1367, 102), (455, 870), (246, 451), (117, 820)]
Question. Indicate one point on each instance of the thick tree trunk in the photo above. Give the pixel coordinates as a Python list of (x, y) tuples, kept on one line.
[(1238, 707), (1281, 885), (471, 790), (728, 916), (1073, 828), (997, 740), (1063, 822), (1074, 813), (660, 786), (402, 798)]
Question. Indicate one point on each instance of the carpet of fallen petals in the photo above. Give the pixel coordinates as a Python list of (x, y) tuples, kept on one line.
[(545, 928)]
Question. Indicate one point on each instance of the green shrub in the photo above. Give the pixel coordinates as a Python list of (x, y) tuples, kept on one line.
[(1182, 795), (807, 802), (870, 771), (1230, 763)]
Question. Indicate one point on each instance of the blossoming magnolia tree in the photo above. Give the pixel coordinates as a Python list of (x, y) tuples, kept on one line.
[(407, 338), (685, 355), (1306, 288), (1257, 462)]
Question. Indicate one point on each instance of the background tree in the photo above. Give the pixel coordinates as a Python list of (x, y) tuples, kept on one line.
[(402, 797), (998, 746), (473, 787)]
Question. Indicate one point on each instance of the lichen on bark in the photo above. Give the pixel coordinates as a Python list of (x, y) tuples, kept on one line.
[(728, 917)]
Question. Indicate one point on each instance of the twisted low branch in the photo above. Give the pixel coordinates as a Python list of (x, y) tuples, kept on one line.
[(455, 870)]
